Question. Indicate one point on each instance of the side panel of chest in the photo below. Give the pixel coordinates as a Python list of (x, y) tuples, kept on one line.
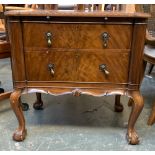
[(17, 51)]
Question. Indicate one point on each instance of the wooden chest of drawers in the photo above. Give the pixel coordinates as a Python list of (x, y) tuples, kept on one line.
[(95, 53)]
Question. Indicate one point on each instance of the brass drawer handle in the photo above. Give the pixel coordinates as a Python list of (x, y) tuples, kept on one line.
[(49, 38), (51, 68), (103, 68), (105, 37)]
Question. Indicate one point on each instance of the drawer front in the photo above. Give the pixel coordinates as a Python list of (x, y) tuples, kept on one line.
[(62, 35), (103, 66), (82, 36), (49, 66), (94, 36), (82, 66)]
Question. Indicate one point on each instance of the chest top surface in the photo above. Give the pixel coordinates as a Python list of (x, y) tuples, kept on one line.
[(76, 13)]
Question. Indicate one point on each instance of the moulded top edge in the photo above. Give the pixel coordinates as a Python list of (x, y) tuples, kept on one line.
[(74, 13)]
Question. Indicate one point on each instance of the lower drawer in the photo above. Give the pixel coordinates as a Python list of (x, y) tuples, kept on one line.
[(78, 65)]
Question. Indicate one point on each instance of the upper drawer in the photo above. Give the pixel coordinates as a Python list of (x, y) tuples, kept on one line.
[(82, 36), (62, 35), (93, 36)]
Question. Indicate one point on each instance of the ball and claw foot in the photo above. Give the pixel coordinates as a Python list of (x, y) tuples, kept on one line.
[(19, 135), (38, 105), (119, 108), (25, 106), (132, 137)]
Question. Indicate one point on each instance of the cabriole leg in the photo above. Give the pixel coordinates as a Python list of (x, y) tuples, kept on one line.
[(130, 102), (137, 106), (38, 105), (20, 133)]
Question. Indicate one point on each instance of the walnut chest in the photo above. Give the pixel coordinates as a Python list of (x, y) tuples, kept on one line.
[(61, 52)]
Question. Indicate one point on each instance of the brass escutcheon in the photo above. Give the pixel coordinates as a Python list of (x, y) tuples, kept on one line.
[(105, 36)]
